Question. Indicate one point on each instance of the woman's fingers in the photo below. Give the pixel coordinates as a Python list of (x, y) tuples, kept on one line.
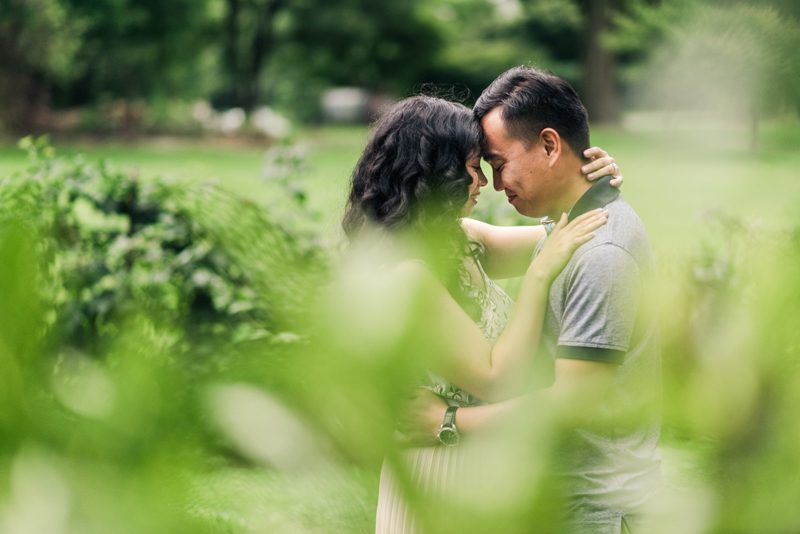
[(597, 164), (587, 219), (564, 239), (609, 170), (577, 234), (585, 238), (594, 224), (602, 167), (562, 222), (595, 152), (588, 225)]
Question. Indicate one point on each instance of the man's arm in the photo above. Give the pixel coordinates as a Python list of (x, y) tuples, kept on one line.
[(570, 402)]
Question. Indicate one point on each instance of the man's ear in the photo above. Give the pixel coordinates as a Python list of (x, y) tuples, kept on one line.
[(551, 143)]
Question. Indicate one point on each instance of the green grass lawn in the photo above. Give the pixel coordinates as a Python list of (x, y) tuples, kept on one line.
[(671, 177), (237, 166)]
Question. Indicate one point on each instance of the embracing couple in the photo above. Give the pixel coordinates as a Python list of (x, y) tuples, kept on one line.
[(582, 341)]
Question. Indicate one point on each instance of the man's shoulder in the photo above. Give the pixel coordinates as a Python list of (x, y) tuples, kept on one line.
[(600, 265), (624, 230), (624, 222)]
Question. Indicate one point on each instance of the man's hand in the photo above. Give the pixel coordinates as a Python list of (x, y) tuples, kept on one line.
[(421, 418)]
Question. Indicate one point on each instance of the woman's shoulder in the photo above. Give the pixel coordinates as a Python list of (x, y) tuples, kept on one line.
[(416, 271)]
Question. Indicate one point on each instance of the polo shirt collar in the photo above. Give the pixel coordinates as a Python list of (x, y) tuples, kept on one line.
[(600, 194)]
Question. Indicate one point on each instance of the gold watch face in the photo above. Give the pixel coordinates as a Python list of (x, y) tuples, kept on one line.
[(449, 436)]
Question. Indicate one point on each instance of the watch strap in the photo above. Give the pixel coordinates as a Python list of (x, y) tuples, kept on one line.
[(450, 416)]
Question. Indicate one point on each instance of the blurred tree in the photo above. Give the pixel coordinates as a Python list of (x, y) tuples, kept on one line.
[(138, 49), (251, 35), (380, 45), (480, 41), (568, 37), (579, 31), (599, 89), (39, 40), (738, 58)]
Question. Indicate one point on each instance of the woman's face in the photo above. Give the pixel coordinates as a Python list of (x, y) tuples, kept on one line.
[(478, 181)]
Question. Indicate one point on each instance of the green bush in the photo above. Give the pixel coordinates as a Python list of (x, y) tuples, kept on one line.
[(196, 258)]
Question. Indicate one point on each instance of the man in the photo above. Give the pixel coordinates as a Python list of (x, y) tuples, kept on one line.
[(599, 363)]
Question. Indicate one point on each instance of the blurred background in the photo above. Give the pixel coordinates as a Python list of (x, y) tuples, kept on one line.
[(173, 177)]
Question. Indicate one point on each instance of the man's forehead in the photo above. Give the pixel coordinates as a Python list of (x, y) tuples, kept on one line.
[(488, 154), (495, 135)]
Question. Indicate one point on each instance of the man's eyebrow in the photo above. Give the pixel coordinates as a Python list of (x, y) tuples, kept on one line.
[(488, 156)]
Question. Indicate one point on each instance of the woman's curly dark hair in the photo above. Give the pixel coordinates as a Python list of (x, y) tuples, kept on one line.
[(413, 176)]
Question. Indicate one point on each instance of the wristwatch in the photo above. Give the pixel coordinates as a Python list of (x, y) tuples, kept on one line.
[(448, 433)]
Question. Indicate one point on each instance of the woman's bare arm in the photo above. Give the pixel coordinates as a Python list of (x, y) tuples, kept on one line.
[(571, 402), (464, 356), (508, 249)]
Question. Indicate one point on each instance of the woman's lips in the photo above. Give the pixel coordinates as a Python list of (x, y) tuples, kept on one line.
[(511, 198)]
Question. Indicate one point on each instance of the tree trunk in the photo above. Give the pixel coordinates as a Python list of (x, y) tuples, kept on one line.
[(600, 94), (263, 43), (28, 102), (245, 60), (232, 55)]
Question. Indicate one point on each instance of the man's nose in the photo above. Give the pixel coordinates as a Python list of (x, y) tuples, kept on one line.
[(497, 181)]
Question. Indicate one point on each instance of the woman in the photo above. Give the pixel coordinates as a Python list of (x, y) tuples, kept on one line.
[(419, 176)]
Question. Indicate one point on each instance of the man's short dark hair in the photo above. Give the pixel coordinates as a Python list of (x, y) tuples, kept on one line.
[(533, 100)]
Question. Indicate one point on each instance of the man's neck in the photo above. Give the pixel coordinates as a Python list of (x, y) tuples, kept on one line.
[(577, 186)]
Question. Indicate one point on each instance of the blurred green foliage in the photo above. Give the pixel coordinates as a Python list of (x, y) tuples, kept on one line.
[(194, 257), (104, 430), (731, 369), (137, 49), (123, 302), (287, 52), (731, 376), (737, 57)]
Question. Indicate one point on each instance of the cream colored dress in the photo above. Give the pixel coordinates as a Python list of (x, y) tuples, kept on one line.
[(434, 470)]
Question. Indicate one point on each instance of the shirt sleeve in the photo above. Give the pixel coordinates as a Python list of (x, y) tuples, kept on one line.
[(602, 300), (591, 354)]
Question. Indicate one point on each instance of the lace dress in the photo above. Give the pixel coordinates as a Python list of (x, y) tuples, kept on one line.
[(433, 470)]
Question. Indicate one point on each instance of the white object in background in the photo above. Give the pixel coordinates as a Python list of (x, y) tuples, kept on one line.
[(232, 120), (345, 104), (271, 123), (203, 113)]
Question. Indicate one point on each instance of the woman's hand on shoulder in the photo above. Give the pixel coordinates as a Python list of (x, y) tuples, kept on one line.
[(564, 240), (601, 165)]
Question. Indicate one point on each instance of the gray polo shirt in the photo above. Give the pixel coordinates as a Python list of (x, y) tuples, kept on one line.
[(603, 307)]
